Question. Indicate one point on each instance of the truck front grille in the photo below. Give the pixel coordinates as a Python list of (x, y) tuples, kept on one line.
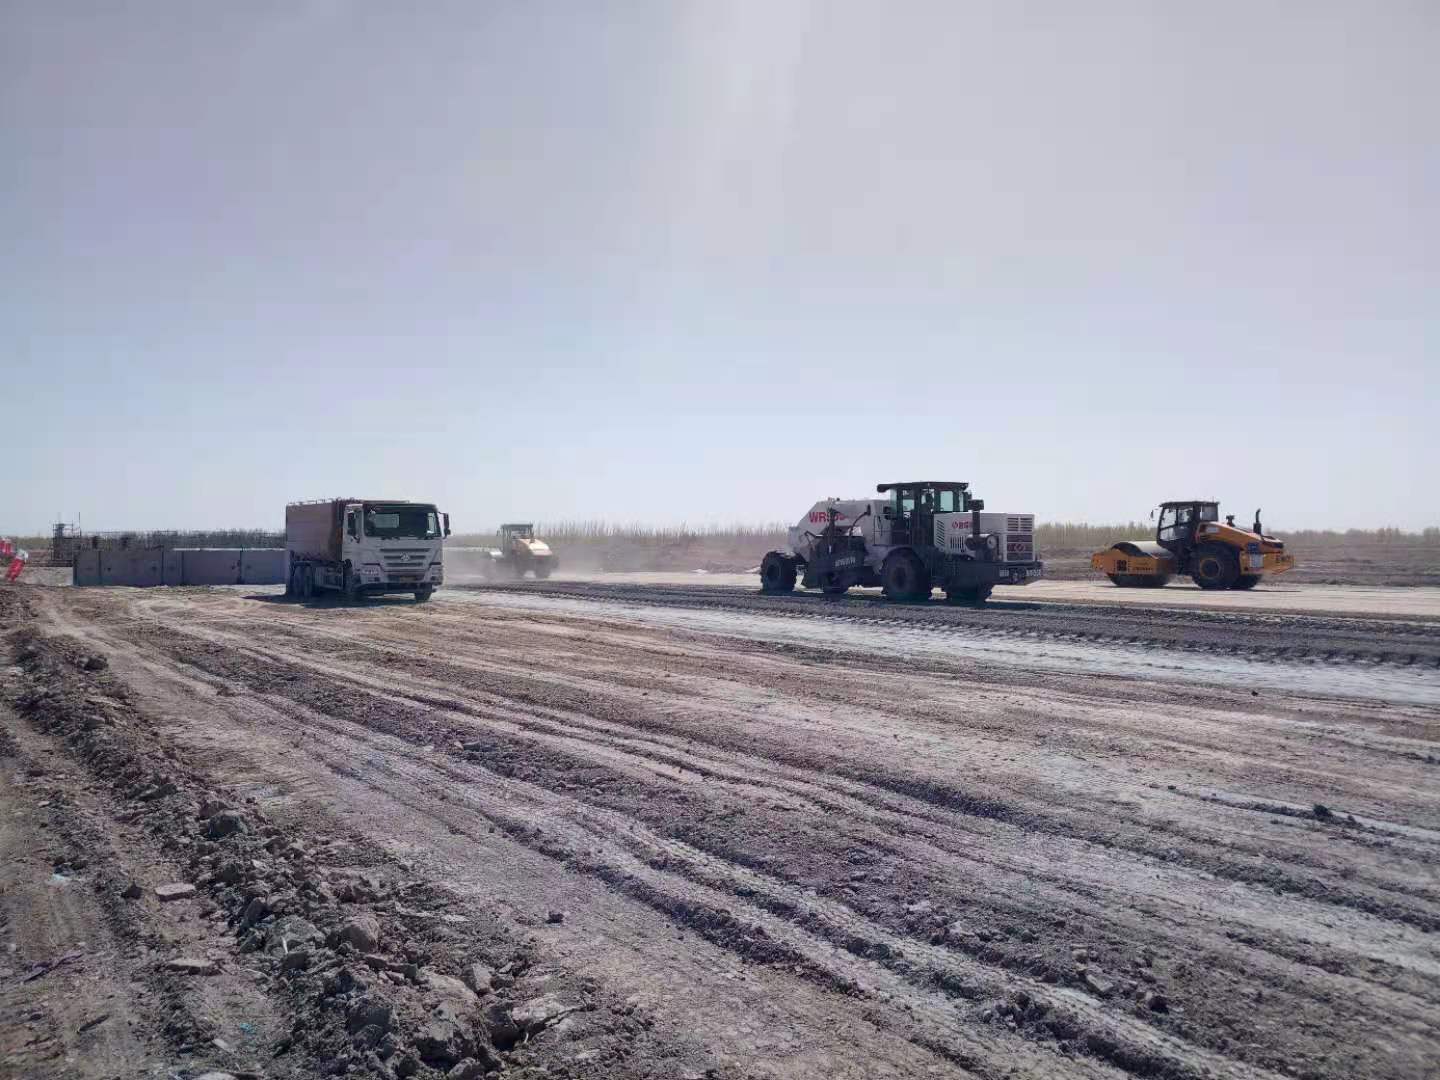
[(405, 564)]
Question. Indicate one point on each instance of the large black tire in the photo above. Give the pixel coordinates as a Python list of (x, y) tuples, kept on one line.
[(975, 595), (904, 577), (307, 583), (424, 593), (1157, 581), (1214, 566), (777, 573), (518, 569), (350, 585), (1246, 581), (290, 587)]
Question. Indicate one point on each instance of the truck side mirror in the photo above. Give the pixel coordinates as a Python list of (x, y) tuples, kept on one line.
[(446, 518)]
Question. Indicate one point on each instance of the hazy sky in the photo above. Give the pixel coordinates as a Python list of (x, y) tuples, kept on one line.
[(711, 261)]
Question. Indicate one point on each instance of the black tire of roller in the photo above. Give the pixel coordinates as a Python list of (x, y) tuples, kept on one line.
[(1246, 581), (1214, 566)]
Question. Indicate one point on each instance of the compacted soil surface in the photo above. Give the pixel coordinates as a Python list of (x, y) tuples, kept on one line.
[(575, 829)]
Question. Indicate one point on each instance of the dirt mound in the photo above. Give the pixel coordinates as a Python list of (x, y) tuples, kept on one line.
[(363, 990)]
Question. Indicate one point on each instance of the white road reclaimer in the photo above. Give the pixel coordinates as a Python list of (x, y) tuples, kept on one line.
[(917, 536)]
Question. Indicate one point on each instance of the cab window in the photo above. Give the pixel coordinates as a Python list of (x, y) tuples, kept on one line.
[(1174, 522), (945, 502)]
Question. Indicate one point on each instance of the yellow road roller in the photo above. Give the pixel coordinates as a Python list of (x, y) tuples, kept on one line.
[(1191, 539)]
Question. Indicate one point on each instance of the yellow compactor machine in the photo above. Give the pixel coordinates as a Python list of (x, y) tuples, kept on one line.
[(1191, 539)]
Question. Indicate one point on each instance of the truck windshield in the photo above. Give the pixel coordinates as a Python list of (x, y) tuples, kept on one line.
[(392, 522)]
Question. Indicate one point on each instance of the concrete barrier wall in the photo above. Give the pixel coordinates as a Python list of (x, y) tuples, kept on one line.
[(87, 567), (262, 566), (144, 567), (211, 566)]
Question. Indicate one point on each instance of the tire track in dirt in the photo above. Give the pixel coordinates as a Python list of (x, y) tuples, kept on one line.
[(1139, 1048), (1291, 638), (1256, 869)]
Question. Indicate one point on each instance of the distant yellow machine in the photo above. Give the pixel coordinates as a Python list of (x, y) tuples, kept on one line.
[(1191, 539)]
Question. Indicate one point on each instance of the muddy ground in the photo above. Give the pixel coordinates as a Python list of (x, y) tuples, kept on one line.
[(587, 830)]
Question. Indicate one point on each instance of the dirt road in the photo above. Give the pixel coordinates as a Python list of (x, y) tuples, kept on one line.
[(694, 832)]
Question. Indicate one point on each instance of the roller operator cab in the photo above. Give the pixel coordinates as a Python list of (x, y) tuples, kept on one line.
[(1190, 538), (365, 546), (913, 537)]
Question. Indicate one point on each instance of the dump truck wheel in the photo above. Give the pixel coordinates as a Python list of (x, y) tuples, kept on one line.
[(905, 578), (777, 573), (1246, 581), (975, 596), (421, 595), (290, 589), (1214, 567)]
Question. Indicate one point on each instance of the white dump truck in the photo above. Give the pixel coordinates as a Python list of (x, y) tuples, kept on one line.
[(364, 546), (917, 536)]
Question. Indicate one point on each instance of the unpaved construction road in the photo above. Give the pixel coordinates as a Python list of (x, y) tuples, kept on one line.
[(696, 832)]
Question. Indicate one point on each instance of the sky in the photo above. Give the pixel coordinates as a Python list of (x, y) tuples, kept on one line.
[(665, 261)]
